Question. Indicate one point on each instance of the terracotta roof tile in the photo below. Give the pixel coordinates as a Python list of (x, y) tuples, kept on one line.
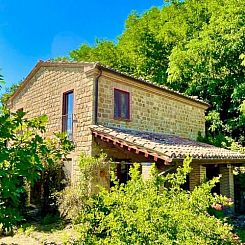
[(171, 146)]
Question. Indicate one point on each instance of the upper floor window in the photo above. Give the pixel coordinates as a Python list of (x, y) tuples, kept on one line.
[(67, 114), (121, 105)]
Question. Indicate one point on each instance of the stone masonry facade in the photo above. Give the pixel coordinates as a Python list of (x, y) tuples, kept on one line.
[(43, 94), (151, 109)]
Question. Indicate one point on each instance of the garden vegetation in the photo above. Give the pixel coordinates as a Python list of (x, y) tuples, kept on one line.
[(150, 211), (25, 156)]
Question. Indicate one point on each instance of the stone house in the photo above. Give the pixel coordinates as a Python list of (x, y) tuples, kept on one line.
[(130, 119)]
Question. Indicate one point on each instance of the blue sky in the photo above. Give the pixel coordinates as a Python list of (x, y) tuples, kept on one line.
[(31, 30)]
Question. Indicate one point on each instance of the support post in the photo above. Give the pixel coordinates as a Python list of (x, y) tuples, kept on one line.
[(146, 170)]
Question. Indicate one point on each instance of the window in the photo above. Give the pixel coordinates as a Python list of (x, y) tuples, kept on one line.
[(121, 104), (67, 114)]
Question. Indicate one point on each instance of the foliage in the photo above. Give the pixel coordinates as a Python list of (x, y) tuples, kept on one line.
[(152, 211), (91, 169), (53, 178), (24, 154), (50, 219), (241, 233), (1, 80), (8, 93), (195, 47), (73, 198)]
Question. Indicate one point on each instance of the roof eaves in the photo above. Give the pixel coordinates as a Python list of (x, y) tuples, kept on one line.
[(98, 65), (171, 150), (47, 63), (26, 80), (150, 83)]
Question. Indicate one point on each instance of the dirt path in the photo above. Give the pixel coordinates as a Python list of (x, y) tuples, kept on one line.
[(19, 239), (42, 237)]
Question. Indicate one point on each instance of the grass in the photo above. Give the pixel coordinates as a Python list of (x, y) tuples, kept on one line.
[(38, 233)]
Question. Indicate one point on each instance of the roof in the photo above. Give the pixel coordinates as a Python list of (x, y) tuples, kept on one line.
[(163, 146), (98, 65), (150, 83)]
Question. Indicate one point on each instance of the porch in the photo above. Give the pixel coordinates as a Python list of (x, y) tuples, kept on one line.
[(167, 152)]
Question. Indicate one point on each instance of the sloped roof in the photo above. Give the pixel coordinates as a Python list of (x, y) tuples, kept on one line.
[(98, 65), (148, 82), (163, 146)]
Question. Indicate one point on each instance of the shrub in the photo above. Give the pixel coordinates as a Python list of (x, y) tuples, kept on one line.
[(154, 211), (24, 154), (53, 180), (71, 200), (74, 198), (49, 219)]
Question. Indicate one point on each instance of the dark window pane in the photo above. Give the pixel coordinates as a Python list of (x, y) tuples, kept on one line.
[(116, 104), (67, 116), (121, 104)]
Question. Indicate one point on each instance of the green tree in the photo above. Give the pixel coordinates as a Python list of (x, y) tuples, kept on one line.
[(1, 79), (24, 154), (8, 93), (195, 47), (209, 63)]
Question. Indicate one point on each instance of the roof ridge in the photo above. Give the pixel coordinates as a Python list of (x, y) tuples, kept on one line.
[(141, 79), (97, 64)]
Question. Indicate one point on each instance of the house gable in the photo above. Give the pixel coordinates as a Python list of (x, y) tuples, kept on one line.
[(42, 92)]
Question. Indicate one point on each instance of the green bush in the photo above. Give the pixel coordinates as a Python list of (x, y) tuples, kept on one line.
[(74, 198), (50, 219), (154, 211), (24, 155), (53, 180), (71, 200)]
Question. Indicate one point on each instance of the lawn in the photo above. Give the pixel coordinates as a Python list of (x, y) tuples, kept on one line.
[(36, 234)]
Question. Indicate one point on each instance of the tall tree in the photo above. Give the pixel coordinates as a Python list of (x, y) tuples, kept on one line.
[(195, 46)]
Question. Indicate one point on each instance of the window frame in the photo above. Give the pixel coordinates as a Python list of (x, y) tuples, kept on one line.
[(65, 111), (128, 105)]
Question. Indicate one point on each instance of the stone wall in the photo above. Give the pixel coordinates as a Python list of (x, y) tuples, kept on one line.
[(44, 94), (151, 109), (227, 181)]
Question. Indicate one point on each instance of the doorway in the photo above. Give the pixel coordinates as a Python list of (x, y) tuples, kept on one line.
[(211, 172)]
